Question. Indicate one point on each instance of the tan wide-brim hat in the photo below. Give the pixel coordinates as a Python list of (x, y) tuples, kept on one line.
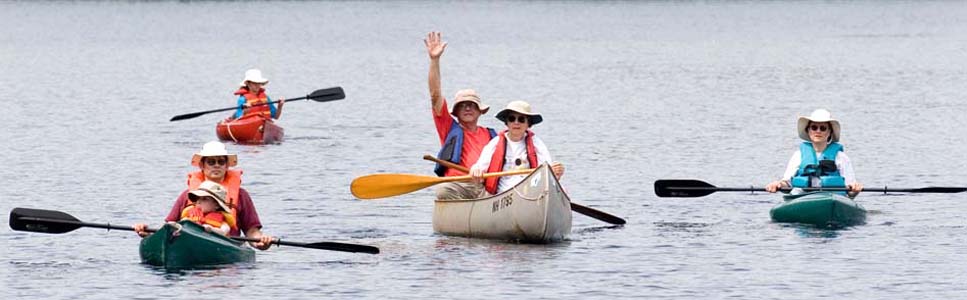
[(818, 116), (468, 95), (214, 148), (523, 108), (254, 75), (210, 189)]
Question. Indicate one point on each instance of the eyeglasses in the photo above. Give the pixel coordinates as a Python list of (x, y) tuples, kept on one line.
[(518, 119), (820, 128), (466, 106), (216, 161)]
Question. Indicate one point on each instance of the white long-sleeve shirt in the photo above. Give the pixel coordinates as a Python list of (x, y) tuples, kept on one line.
[(515, 150), (842, 164)]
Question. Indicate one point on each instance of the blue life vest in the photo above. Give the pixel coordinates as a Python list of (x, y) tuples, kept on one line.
[(453, 147), (811, 167)]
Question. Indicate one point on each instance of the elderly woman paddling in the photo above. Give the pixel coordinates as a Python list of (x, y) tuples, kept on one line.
[(820, 161), (514, 148)]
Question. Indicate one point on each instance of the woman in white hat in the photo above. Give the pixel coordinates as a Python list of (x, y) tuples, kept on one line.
[(252, 97), (514, 148), (820, 160)]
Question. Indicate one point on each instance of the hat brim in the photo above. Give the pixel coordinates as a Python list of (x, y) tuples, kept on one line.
[(532, 118), (263, 82), (196, 159), (194, 195), (804, 121), (483, 108)]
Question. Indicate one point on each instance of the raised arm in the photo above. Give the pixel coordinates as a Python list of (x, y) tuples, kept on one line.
[(435, 47)]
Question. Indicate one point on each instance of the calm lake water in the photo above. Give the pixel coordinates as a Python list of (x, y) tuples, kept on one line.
[(631, 92)]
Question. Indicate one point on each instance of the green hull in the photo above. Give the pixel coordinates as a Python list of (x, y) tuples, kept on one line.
[(192, 248), (820, 209)]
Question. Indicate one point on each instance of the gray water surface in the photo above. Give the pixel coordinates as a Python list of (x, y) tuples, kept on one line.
[(631, 92)]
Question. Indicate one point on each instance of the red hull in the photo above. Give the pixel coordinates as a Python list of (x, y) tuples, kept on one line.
[(250, 130)]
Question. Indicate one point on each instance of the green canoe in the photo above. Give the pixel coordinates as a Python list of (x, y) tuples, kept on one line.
[(824, 209), (192, 247)]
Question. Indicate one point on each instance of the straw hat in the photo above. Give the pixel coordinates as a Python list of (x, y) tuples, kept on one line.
[(254, 75), (818, 116), (214, 148), (210, 189), (523, 108), (468, 95)]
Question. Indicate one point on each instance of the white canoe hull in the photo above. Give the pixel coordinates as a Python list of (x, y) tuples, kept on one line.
[(536, 210)]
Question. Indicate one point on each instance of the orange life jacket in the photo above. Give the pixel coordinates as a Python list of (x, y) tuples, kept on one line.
[(232, 182), (253, 99), (215, 219), (497, 160)]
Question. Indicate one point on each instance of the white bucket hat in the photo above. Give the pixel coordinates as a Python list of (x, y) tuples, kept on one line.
[(523, 108), (818, 116), (210, 189), (254, 75), (468, 95), (214, 148)]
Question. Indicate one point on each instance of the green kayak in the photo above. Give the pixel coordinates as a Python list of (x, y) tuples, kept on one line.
[(192, 247), (824, 209)]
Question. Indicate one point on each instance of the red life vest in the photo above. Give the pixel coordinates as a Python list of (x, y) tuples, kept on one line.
[(497, 160), (253, 99), (215, 218), (232, 182)]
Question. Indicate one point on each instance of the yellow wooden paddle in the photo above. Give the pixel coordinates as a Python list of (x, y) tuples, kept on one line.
[(387, 185)]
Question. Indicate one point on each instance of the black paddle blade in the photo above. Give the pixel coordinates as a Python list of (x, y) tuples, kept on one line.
[(333, 246), (187, 116), (597, 214), (44, 221), (330, 94), (685, 188), (943, 190)]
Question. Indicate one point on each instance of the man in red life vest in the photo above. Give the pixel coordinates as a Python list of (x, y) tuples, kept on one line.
[(214, 162), (460, 137)]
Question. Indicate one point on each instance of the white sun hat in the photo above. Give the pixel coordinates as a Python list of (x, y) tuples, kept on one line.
[(818, 116), (468, 95), (210, 189), (254, 75), (523, 108), (214, 148)]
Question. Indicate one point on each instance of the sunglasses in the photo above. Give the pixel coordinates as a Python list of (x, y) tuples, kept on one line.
[(820, 128), (216, 161), (518, 119)]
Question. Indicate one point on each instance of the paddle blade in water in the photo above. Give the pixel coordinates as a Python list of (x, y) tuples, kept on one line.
[(942, 190), (342, 247), (323, 95), (44, 221), (387, 185), (685, 188)]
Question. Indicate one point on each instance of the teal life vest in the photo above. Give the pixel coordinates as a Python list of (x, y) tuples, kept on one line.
[(453, 147), (823, 168)]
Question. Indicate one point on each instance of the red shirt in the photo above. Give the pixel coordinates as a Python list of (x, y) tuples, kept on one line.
[(247, 216), (473, 142)]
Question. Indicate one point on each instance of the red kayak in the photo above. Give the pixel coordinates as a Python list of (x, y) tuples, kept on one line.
[(252, 129)]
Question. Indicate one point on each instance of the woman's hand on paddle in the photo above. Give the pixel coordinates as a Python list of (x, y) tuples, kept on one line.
[(434, 45), (141, 229), (774, 186), (854, 189), (265, 241), (558, 169), (477, 175)]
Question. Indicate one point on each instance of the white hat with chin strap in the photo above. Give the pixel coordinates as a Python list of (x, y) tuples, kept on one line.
[(818, 116)]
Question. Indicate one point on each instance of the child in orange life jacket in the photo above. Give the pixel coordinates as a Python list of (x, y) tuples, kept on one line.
[(208, 208), (252, 98)]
